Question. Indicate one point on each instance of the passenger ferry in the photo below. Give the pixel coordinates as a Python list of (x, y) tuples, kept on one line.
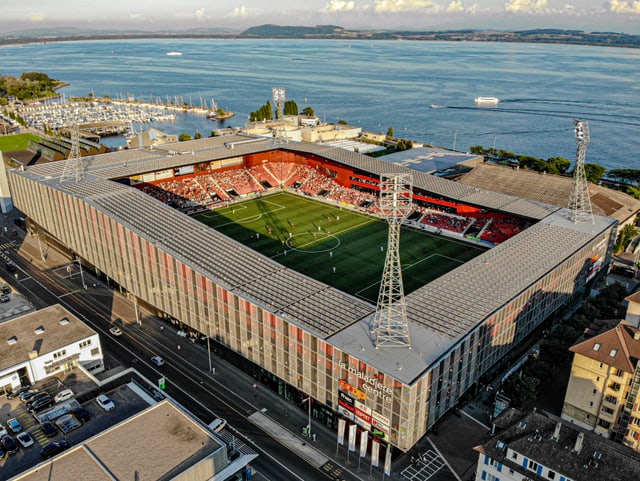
[(174, 54), (487, 100)]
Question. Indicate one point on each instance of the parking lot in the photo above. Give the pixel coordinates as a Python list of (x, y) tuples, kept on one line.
[(79, 426)]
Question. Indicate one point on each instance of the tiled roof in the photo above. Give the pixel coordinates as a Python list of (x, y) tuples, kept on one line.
[(615, 347)]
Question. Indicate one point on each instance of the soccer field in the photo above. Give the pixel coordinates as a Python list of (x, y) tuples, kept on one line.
[(339, 247)]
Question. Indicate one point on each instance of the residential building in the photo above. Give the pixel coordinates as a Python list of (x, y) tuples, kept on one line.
[(540, 446)]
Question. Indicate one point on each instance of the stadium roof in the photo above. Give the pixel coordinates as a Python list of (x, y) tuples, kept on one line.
[(442, 312), (429, 159), (555, 189)]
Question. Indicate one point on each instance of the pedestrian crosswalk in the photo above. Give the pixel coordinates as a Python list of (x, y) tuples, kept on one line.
[(7, 245)]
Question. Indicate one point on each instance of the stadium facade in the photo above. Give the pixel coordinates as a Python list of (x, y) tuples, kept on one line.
[(305, 335)]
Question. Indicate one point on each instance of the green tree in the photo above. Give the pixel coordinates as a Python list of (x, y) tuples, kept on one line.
[(308, 111), (184, 137), (626, 234), (390, 132), (594, 172), (560, 163), (197, 135), (633, 191), (290, 107)]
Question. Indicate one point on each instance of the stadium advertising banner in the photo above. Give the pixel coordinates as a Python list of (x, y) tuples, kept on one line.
[(380, 426), (363, 415), (346, 405)]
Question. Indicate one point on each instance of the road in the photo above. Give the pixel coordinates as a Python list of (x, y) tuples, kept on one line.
[(187, 373)]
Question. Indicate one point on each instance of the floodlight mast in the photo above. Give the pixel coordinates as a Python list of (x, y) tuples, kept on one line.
[(390, 326), (279, 98), (73, 170), (580, 201)]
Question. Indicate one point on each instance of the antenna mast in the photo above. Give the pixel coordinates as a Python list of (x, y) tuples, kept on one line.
[(579, 201), (390, 324)]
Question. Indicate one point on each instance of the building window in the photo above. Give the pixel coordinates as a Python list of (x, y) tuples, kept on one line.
[(635, 421), (514, 455), (611, 399), (615, 386), (59, 354), (607, 410), (85, 343), (613, 352), (590, 404), (596, 346), (551, 475), (604, 424), (533, 466)]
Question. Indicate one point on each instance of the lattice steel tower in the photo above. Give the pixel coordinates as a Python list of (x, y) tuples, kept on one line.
[(279, 98), (72, 171), (580, 202), (390, 326)]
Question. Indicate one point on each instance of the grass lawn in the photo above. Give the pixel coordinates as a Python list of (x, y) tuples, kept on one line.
[(318, 237), (15, 142)]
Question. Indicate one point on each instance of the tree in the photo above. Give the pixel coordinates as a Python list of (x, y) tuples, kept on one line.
[(560, 163), (290, 107), (626, 234), (594, 172), (390, 133), (308, 111), (197, 135), (184, 137)]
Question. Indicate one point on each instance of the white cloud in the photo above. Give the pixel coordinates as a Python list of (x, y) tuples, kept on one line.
[(339, 6), (200, 14), (623, 6), (404, 5), (455, 6), (527, 6), (239, 12)]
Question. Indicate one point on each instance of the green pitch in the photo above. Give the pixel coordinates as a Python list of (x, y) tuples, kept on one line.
[(339, 247)]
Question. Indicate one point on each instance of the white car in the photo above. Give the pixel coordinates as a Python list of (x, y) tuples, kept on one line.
[(158, 361), (25, 439), (105, 403), (116, 331), (182, 333)]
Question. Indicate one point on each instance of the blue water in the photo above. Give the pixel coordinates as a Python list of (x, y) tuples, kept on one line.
[(377, 85)]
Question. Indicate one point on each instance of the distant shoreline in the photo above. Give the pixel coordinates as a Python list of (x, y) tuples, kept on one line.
[(328, 32)]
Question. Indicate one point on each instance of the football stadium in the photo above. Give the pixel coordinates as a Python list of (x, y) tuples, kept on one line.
[(275, 251)]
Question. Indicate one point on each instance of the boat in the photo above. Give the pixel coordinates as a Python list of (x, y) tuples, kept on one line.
[(487, 100), (434, 106), (174, 54)]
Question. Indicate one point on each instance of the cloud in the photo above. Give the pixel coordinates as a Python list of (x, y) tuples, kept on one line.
[(455, 6), (239, 12), (339, 6), (527, 6), (37, 17), (623, 6), (404, 5)]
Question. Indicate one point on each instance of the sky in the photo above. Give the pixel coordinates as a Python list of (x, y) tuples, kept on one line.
[(589, 15)]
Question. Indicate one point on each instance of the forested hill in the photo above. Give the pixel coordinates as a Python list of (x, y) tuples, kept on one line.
[(609, 39)]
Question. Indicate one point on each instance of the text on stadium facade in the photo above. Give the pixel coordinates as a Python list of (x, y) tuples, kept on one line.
[(372, 385)]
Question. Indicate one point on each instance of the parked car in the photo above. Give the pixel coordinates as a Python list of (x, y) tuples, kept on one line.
[(40, 404), (18, 392), (67, 423), (25, 396), (10, 266), (14, 425), (157, 360), (81, 413), (105, 403), (52, 449), (3, 431), (2, 453), (37, 397), (4, 298), (9, 444), (116, 331), (5, 289), (217, 425), (25, 439), (49, 429), (63, 395)]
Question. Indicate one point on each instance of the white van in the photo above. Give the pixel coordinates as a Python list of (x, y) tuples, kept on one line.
[(63, 395), (217, 425)]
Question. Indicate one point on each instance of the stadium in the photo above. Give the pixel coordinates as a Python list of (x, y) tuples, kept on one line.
[(275, 252)]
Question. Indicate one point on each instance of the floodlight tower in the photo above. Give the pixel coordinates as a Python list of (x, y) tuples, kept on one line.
[(279, 98), (390, 325), (579, 201), (72, 170)]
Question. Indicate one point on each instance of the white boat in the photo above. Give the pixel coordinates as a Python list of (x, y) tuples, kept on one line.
[(434, 106), (487, 100), (174, 54)]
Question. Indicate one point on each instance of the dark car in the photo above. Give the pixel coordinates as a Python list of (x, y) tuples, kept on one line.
[(18, 392), (41, 403), (81, 413), (9, 444), (37, 397), (5, 289), (11, 266), (49, 429), (52, 449), (25, 396)]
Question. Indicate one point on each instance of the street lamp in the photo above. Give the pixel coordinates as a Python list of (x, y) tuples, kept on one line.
[(308, 399)]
